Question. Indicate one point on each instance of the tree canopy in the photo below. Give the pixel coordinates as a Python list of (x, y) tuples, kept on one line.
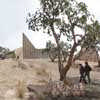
[(62, 17)]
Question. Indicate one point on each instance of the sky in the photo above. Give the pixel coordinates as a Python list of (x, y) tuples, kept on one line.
[(13, 15)]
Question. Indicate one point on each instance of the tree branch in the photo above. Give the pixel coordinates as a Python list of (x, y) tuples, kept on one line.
[(78, 35)]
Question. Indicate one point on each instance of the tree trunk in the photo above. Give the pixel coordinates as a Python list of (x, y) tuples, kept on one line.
[(69, 63), (52, 56), (63, 70), (60, 63)]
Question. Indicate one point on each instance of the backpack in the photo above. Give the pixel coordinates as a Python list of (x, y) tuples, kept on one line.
[(89, 68)]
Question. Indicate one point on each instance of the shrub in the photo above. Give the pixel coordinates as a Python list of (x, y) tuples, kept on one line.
[(20, 89)]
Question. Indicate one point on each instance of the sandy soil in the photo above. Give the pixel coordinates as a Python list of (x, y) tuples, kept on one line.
[(34, 71)]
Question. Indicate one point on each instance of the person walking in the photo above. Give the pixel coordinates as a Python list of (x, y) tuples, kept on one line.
[(87, 71), (82, 74)]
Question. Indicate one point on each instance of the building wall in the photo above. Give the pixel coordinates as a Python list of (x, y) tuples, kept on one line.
[(29, 51), (89, 55)]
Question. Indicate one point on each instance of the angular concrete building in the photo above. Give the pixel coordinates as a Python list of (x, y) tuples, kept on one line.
[(29, 51), (89, 55)]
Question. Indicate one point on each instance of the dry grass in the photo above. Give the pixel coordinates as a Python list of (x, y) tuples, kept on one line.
[(43, 81), (37, 74), (42, 72), (20, 89), (68, 82)]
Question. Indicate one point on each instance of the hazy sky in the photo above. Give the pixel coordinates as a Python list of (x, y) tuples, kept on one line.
[(13, 15)]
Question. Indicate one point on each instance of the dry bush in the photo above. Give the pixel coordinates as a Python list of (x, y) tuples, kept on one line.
[(22, 65), (59, 88), (34, 94), (42, 72), (75, 65), (43, 81), (68, 82), (20, 89)]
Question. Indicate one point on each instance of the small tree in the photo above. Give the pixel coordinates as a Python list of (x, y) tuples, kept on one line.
[(52, 50), (93, 38), (61, 17)]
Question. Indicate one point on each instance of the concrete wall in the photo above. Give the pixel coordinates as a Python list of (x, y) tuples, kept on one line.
[(29, 51), (89, 55)]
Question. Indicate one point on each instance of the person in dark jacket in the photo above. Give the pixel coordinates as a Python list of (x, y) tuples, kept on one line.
[(87, 71), (82, 74)]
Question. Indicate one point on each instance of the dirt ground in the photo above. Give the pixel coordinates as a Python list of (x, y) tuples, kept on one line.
[(38, 72)]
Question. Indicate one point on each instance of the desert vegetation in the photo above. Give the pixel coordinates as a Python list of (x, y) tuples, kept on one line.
[(61, 18), (42, 81), (47, 79)]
